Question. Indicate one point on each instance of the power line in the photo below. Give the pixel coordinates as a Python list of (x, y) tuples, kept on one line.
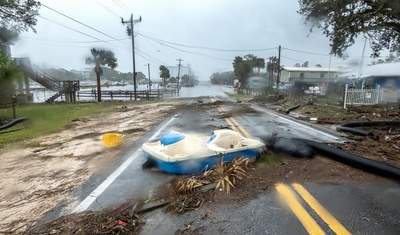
[(207, 48), (73, 29), (80, 32), (189, 52), (58, 44), (196, 53), (301, 62), (120, 4), (82, 23), (108, 9), (73, 42), (306, 52), (298, 61), (149, 55), (123, 4), (320, 54), (144, 57), (151, 43)]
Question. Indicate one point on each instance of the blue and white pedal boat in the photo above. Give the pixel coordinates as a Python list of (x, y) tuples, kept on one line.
[(178, 153)]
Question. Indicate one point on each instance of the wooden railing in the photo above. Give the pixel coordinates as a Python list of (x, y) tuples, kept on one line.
[(154, 94)]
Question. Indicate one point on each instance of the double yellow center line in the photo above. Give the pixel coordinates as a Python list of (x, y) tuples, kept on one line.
[(235, 125), (288, 195)]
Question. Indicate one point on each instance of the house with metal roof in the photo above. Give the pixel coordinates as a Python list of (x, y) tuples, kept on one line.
[(384, 76), (309, 75)]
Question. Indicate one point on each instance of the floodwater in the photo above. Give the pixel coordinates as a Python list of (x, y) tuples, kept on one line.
[(203, 89)]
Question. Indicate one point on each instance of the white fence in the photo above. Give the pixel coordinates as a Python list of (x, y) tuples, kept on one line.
[(357, 97)]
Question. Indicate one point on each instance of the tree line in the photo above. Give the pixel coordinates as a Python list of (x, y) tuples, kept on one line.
[(185, 80), (341, 21), (245, 67)]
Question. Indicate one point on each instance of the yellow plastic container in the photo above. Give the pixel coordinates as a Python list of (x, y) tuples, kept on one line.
[(111, 139)]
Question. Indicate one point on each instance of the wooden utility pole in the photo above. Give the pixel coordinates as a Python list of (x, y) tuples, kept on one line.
[(278, 77), (130, 31), (271, 74), (150, 83), (179, 71)]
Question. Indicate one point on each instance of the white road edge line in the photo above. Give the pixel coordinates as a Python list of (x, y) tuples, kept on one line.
[(310, 128), (107, 182)]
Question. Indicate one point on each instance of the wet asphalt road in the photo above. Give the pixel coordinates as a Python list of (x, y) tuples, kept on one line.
[(367, 208)]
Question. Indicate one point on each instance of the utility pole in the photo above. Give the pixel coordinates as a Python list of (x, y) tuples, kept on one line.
[(361, 60), (150, 83), (130, 31), (271, 74), (179, 71), (278, 77)]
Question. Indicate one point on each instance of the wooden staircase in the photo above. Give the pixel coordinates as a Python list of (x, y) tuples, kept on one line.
[(53, 84)]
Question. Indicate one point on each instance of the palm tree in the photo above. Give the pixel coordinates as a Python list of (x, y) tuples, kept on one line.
[(272, 68), (259, 63), (164, 73), (7, 37), (101, 58)]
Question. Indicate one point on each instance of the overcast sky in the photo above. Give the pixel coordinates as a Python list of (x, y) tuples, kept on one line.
[(205, 34)]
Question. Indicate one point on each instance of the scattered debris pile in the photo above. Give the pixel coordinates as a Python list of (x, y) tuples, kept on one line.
[(194, 190), (273, 98), (190, 194), (103, 222), (383, 145)]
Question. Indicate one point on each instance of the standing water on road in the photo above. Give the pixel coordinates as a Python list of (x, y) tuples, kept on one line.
[(203, 89)]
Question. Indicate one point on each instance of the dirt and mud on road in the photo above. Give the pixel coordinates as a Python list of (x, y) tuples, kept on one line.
[(36, 176)]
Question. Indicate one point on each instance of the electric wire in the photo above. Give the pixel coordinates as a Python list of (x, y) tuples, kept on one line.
[(305, 52), (298, 61), (189, 52), (164, 42), (320, 54), (148, 55), (108, 9), (119, 40), (203, 47), (197, 53), (122, 6), (82, 23), (173, 55), (72, 42), (73, 29), (144, 57), (80, 32)]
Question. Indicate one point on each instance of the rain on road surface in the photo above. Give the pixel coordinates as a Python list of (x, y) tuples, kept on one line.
[(368, 208)]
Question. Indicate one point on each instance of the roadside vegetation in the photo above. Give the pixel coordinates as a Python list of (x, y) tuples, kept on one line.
[(239, 96), (47, 118)]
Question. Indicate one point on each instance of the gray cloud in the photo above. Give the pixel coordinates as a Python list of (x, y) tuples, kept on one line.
[(222, 24)]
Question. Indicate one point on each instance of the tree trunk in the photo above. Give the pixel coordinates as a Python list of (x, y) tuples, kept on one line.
[(98, 87)]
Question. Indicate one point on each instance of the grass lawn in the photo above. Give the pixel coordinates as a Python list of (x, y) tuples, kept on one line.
[(239, 96), (46, 118)]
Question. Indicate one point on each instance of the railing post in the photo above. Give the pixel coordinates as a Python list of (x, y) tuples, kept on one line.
[(378, 95), (345, 96)]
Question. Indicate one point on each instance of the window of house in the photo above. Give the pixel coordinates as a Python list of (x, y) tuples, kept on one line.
[(322, 75), (301, 75)]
